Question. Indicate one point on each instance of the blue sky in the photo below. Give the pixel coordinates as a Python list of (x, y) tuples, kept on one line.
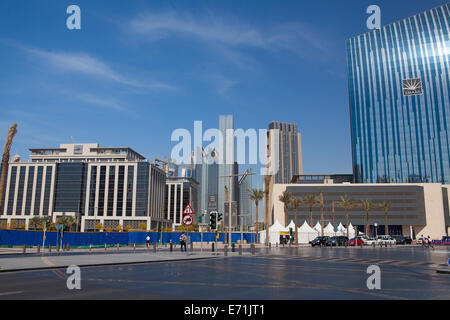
[(137, 70)]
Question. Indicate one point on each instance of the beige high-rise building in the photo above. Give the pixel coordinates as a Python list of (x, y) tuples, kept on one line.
[(285, 153)]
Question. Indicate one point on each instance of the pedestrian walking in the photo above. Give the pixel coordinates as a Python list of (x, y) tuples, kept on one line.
[(423, 240), (148, 240), (430, 242), (183, 239)]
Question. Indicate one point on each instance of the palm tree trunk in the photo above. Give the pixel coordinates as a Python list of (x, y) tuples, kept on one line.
[(310, 217), (346, 222), (367, 224), (296, 227), (256, 239), (5, 161), (386, 226)]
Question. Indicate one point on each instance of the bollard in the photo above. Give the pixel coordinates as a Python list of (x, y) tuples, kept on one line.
[(373, 244), (240, 250), (390, 244), (154, 247), (39, 248), (171, 246), (68, 246), (192, 247), (134, 247), (225, 250), (49, 248), (277, 244), (90, 247), (212, 247), (296, 251), (385, 244), (57, 248), (232, 247), (24, 248), (117, 247), (270, 245)]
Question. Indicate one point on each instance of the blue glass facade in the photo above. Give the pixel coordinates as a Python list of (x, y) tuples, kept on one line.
[(399, 100)]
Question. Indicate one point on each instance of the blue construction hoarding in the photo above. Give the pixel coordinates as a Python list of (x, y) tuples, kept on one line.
[(20, 237)]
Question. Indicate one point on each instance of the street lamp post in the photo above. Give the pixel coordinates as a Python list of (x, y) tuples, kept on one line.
[(229, 199), (376, 231)]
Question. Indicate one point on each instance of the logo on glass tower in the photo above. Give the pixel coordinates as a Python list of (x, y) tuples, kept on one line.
[(412, 87)]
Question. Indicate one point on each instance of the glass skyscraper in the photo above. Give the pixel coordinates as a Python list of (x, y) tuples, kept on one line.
[(399, 100)]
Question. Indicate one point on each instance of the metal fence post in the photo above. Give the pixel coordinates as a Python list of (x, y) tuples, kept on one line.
[(39, 248), (225, 250), (240, 249)]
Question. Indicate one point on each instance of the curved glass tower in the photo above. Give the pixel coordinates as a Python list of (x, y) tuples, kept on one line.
[(399, 100)]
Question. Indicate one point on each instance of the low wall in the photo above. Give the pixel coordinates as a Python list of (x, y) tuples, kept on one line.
[(19, 237)]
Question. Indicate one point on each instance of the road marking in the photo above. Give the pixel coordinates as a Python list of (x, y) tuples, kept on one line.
[(10, 293)]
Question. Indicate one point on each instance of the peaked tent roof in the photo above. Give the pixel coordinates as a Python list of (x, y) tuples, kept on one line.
[(306, 228)]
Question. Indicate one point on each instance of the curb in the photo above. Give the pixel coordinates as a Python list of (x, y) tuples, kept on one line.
[(104, 264), (443, 271)]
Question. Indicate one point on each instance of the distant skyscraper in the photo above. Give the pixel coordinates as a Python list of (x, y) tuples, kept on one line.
[(245, 204), (289, 150), (225, 169), (399, 80)]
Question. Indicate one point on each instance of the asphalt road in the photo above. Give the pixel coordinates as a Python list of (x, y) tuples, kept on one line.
[(283, 274)]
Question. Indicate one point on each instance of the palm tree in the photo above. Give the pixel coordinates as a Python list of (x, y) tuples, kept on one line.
[(5, 160), (68, 221), (266, 205), (296, 202), (256, 195), (311, 201), (368, 205), (285, 197), (347, 204), (385, 206)]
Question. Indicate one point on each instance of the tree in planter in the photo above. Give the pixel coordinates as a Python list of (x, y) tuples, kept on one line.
[(4, 225), (108, 229), (118, 228), (296, 202), (99, 227), (367, 205), (385, 206), (127, 228), (13, 224), (36, 223), (311, 201), (347, 204), (68, 222), (285, 197), (256, 195), (142, 226)]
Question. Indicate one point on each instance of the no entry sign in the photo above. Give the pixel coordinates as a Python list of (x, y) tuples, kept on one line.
[(187, 220)]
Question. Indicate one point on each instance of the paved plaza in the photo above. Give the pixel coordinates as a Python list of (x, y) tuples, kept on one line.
[(407, 272)]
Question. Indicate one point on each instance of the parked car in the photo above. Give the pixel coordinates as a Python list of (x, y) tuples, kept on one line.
[(319, 241), (402, 239), (370, 241), (386, 240), (355, 242), (336, 241)]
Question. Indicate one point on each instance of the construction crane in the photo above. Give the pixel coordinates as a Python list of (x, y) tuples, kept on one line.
[(165, 163), (5, 160)]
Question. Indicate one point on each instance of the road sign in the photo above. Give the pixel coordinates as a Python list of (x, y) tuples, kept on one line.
[(187, 220), (188, 210)]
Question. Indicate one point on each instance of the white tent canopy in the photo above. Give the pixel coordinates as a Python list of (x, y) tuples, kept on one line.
[(329, 230), (291, 225), (306, 233), (274, 233)]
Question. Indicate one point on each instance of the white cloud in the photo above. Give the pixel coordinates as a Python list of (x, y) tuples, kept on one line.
[(85, 64), (295, 37)]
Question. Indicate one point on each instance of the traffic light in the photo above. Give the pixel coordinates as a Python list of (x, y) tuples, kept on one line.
[(212, 220), (219, 217), (199, 219)]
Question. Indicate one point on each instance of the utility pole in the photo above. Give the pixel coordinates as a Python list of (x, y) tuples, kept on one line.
[(229, 200)]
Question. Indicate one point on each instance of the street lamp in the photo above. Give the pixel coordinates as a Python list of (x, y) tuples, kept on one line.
[(376, 231), (229, 200)]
